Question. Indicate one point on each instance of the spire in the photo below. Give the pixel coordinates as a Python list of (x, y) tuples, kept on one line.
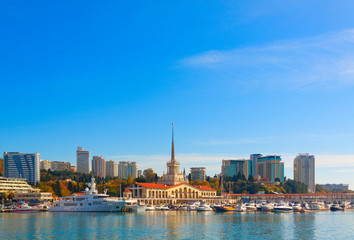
[(173, 144)]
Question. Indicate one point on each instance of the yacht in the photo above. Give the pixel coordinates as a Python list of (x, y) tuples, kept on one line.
[(150, 208), (336, 207), (89, 201), (251, 207), (240, 208), (204, 207), (316, 205), (267, 207), (162, 208), (282, 207), (24, 207), (193, 206), (297, 207)]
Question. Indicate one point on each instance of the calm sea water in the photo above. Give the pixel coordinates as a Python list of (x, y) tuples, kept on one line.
[(177, 225)]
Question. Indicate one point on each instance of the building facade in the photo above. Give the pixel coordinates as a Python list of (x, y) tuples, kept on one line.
[(14, 185), (125, 168), (270, 167), (55, 165), (99, 166), (304, 170), (45, 165), (336, 187), (22, 165), (254, 158), (111, 169), (73, 168), (82, 160), (198, 174), (231, 168)]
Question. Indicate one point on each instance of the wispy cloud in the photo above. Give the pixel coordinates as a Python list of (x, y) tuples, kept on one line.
[(324, 61)]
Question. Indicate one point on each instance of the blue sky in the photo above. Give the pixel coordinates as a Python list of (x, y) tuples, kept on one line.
[(236, 77)]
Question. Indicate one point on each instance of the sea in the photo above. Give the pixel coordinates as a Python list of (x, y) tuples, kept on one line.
[(178, 225)]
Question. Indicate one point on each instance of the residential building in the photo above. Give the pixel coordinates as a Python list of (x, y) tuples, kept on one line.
[(335, 187), (72, 168), (45, 165), (14, 185), (231, 168), (22, 190), (55, 165), (98, 166), (254, 158), (22, 165), (82, 160), (125, 168), (140, 173), (270, 167), (198, 174), (111, 169), (304, 170)]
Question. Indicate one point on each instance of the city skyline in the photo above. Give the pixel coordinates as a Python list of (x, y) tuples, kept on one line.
[(237, 77)]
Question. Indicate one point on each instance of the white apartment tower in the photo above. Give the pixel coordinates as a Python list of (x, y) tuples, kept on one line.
[(304, 170), (111, 169), (82, 160)]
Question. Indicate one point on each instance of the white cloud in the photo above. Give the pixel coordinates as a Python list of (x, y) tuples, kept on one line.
[(324, 61)]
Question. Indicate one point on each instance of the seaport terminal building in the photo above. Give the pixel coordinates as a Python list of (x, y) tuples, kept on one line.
[(173, 188)]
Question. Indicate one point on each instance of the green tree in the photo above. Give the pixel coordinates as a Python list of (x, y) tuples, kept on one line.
[(149, 175)]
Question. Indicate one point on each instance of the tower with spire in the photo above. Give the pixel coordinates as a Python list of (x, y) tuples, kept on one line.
[(173, 176)]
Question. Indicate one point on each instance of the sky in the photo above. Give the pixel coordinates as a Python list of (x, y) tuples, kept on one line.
[(236, 77)]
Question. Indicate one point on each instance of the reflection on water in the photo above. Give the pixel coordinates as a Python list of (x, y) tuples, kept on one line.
[(177, 225)]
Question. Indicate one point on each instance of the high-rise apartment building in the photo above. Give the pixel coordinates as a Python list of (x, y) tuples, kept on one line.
[(198, 174), (82, 160), (111, 169), (98, 166), (126, 168), (304, 170), (232, 168), (254, 158), (270, 167), (140, 173), (22, 165)]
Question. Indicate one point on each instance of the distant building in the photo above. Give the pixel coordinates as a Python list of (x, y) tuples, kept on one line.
[(82, 160), (254, 158), (336, 186), (270, 167), (54, 165), (22, 190), (126, 168), (22, 165), (45, 165), (232, 168), (72, 168), (140, 173), (304, 170), (98, 166), (198, 174), (14, 185), (111, 169)]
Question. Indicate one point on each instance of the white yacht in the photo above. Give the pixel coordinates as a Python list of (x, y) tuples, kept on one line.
[(267, 207), (90, 201), (204, 207), (282, 207), (240, 208), (251, 207), (316, 205)]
